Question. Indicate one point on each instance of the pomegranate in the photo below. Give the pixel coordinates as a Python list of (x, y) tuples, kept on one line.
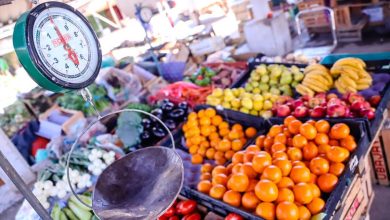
[(283, 111), (357, 106), (375, 100), (297, 103), (301, 111), (336, 111), (352, 97), (318, 112), (334, 101), (330, 96), (368, 113)]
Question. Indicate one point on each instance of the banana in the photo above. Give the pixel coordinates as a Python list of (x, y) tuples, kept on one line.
[(315, 87), (339, 88), (318, 79), (352, 72), (328, 78), (365, 81), (346, 81), (303, 90), (362, 86), (313, 67), (363, 74), (355, 62), (350, 89)]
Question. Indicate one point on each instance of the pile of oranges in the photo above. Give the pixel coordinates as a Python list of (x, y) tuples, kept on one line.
[(285, 173), (208, 135)]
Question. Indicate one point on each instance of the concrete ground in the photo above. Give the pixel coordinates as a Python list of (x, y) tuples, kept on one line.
[(380, 206)]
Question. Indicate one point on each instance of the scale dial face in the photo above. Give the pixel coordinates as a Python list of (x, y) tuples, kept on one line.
[(146, 14), (63, 46)]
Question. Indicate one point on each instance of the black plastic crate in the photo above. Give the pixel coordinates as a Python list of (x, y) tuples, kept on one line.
[(358, 130)]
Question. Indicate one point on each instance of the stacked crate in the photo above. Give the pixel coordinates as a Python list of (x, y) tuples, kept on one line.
[(314, 21)]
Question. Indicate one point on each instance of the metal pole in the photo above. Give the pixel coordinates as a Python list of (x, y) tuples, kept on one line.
[(23, 188), (154, 56)]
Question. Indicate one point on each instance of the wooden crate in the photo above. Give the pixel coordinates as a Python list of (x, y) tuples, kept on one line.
[(342, 17), (306, 4), (315, 19), (353, 33)]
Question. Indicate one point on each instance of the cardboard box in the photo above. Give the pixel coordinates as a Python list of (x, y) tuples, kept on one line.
[(207, 46), (380, 165)]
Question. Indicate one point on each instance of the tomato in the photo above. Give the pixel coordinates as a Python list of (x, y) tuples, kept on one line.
[(163, 218), (193, 216), (170, 212), (186, 207), (174, 218), (234, 216)]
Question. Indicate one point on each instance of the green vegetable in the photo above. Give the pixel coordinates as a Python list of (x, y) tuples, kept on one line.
[(55, 212), (95, 217), (63, 216), (85, 199), (80, 212), (139, 106), (70, 214), (129, 128), (210, 72)]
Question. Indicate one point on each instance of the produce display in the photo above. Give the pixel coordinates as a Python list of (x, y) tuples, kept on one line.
[(276, 79), (208, 135), (239, 100), (75, 101), (14, 118), (287, 173), (184, 209), (327, 105)]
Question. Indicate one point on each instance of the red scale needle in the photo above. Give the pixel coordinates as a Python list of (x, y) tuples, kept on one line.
[(71, 54)]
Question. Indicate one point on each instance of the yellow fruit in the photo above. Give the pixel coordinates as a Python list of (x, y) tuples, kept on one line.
[(247, 103), (267, 105), (235, 103)]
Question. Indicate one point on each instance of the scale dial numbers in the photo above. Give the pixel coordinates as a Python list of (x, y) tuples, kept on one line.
[(65, 46)]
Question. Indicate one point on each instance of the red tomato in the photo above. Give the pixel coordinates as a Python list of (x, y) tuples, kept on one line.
[(186, 207), (163, 218), (170, 212), (234, 216), (193, 216), (174, 218)]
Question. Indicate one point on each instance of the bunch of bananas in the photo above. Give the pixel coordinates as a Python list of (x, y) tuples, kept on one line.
[(351, 74), (317, 79)]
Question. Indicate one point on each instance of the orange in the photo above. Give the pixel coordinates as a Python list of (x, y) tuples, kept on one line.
[(288, 119), (348, 143), (237, 168), (223, 125), (204, 144), (300, 174), (333, 142), (205, 121), (339, 131), (280, 155), (233, 134), (202, 151), (248, 157), (316, 206), (238, 157), (243, 140), (280, 138), (213, 129), (204, 186), (206, 168), (229, 168), (294, 153), (336, 168), (217, 191), (201, 113), (197, 159), (266, 190), (224, 145), (311, 121), (249, 200), (315, 190), (337, 154), (309, 151), (210, 153), (298, 163), (278, 147), (272, 173), (248, 170), (205, 176), (219, 179), (266, 210), (287, 211), (229, 154), (216, 120), (238, 182), (192, 116), (321, 138), (327, 182), (260, 141), (224, 132), (210, 112), (293, 126), (253, 148), (319, 165), (260, 162), (237, 127), (195, 140), (286, 133), (275, 129), (285, 194), (268, 141), (219, 169), (237, 145), (220, 161), (232, 198), (304, 213), (323, 148), (284, 165), (313, 178), (285, 182), (213, 136), (205, 130), (299, 141), (322, 126), (308, 131), (250, 132), (303, 193), (219, 155), (193, 149)]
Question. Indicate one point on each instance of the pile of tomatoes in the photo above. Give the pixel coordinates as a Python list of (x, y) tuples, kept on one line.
[(184, 210), (286, 173), (208, 136)]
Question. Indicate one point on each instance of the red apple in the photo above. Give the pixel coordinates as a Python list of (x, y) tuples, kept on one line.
[(355, 97), (375, 100), (330, 96), (318, 112), (336, 111), (274, 109), (357, 106), (369, 113), (301, 111), (297, 103), (313, 102), (347, 112), (351, 115), (283, 111), (366, 104), (306, 98), (334, 101)]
